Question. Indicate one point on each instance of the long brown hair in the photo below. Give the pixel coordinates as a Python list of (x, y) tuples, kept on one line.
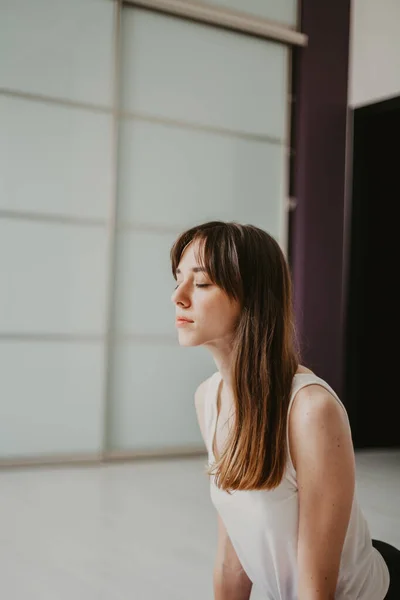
[(249, 265)]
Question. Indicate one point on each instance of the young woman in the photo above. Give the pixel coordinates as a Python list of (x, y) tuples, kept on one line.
[(281, 459)]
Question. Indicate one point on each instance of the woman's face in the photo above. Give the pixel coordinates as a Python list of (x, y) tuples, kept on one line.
[(205, 315)]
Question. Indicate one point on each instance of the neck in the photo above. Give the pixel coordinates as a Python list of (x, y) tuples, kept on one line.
[(222, 355)]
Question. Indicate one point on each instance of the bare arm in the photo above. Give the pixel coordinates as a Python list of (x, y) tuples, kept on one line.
[(230, 580), (322, 451)]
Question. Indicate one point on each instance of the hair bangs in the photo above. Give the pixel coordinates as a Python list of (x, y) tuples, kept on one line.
[(216, 253)]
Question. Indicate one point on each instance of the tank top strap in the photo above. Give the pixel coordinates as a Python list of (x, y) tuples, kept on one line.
[(302, 380), (210, 408)]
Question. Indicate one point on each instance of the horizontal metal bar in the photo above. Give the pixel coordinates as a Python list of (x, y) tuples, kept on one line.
[(159, 453), (118, 338), (99, 460), (49, 461), (129, 226), (21, 215), (213, 15), (51, 337), (124, 226), (146, 339), (55, 100), (256, 137), (138, 116)]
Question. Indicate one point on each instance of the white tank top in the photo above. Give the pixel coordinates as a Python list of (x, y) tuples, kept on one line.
[(262, 526)]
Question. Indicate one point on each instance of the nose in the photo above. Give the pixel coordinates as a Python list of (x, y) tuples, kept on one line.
[(180, 297)]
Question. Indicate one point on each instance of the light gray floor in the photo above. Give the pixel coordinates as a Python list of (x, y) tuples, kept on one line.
[(136, 531)]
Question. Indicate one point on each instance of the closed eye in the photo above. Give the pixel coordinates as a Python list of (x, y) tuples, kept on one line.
[(198, 285)]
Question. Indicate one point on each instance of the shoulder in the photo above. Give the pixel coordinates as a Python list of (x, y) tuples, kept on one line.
[(199, 400), (201, 392), (318, 424), (314, 403), (303, 369)]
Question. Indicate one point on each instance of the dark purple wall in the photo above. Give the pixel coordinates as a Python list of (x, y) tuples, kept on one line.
[(317, 224)]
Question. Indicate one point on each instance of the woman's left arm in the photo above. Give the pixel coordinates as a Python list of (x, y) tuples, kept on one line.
[(323, 455)]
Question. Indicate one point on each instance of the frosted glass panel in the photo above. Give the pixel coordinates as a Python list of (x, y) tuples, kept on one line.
[(50, 398), (199, 176), (153, 396), (191, 72), (202, 138), (282, 11), (54, 159), (53, 278), (144, 284), (58, 48)]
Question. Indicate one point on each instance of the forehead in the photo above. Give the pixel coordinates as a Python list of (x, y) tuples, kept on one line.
[(191, 256)]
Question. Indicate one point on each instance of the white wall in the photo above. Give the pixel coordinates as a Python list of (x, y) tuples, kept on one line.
[(374, 51)]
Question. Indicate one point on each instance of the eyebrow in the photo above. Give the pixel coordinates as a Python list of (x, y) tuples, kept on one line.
[(194, 270)]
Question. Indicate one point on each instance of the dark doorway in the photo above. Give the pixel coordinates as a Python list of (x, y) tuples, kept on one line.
[(372, 384)]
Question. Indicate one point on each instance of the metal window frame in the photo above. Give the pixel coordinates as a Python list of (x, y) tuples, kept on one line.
[(185, 9), (224, 17)]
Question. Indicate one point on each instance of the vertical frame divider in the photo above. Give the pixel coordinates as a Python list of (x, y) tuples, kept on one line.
[(112, 218), (286, 204)]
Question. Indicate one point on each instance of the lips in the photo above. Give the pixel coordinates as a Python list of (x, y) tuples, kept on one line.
[(183, 320)]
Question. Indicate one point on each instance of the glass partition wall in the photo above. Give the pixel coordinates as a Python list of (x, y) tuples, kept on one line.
[(138, 124)]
